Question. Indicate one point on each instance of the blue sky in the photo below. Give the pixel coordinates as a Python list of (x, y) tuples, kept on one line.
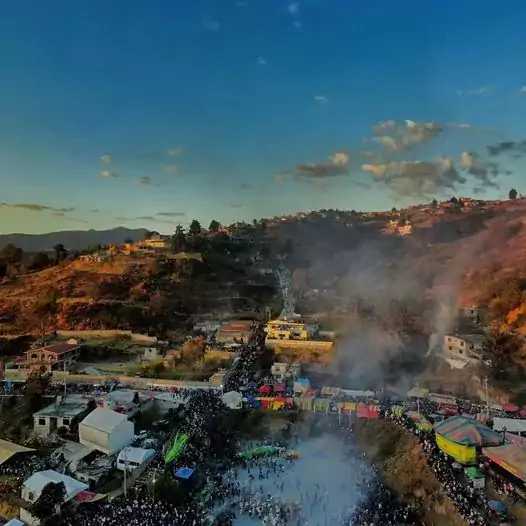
[(236, 96)]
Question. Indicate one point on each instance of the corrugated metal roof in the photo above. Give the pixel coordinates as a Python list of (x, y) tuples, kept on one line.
[(8, 449), (103, 420)]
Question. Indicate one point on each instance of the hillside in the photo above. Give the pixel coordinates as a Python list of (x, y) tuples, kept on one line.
[(146, 294), (72, 239), (346, 264), (453, 254)]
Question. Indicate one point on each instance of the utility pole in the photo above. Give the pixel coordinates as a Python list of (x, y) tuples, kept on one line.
[(125, 472), (487, 397), (418, 397)]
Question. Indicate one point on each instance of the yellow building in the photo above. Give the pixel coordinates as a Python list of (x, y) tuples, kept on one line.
[(294, 328)]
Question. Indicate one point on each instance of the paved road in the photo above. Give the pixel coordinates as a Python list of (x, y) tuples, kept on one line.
[(139, 383)]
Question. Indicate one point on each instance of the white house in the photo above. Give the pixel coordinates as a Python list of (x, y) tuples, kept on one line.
[(34, 485), (62, 413), (106, 431), (130, 458), (464, 346)]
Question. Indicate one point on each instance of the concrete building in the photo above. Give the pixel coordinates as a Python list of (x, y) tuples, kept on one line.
[(57, 357), (131, 458), (234, 331), (106, 431), (464, 346), (62, 413), (292, 328)]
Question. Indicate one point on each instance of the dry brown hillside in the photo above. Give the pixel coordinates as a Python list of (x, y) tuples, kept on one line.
[(125, 294)]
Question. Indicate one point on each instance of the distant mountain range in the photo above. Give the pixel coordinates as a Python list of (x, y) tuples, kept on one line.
[(72, 239)]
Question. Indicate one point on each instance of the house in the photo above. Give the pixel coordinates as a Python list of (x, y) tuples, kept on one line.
[(292, 328), (106, 431), (150, 353), (130, 458), (234, 331), (465, 346), (33, 486), (126, 402), (56, 357), (62, 413)]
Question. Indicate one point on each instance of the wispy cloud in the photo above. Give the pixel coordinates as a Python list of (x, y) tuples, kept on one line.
[(477, 91), (322, 99), (338, 165), (430, 178), (94, 211), (236, 205), (174, 152), (171, 214), (106, 158), (144, 180), (106, 174), (172, 169), (211, 25), (34, 207), (293, 9), (262, 61)]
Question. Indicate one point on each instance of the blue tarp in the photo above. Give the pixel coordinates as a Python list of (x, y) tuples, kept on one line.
[(184, 473)]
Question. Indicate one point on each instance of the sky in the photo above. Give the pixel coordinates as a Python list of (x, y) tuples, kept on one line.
[(152, 113)]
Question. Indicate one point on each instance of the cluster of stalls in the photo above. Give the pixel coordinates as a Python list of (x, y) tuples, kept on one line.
[(278, 397)]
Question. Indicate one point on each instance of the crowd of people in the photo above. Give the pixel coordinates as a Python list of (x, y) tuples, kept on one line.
[(471, 504)]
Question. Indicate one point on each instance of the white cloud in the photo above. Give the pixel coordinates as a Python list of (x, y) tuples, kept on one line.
[(108, 175), (293, 8), (106, 158), (321, 99), (262, 61), (175, 152)]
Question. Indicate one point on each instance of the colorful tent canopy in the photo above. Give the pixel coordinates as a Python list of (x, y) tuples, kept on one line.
[(511, 457), (468, 432)]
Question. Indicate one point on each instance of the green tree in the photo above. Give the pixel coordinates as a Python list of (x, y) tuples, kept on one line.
[(502, 348), (47, 505), (454, 200), (512, 194), (11, 254), (128, 241), (195, 228), (179, 239), (434, 203), (214, 226), (60, 252), (40, 261)]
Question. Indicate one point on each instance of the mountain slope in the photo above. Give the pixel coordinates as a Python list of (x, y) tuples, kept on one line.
[(72, 239)]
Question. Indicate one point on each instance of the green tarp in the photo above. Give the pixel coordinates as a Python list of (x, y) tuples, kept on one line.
[(260, 451), (178, 447)]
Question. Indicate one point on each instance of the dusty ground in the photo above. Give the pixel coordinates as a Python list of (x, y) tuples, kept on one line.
[(405, 470)]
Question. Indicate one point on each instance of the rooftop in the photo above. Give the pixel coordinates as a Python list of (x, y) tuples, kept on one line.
[(70, 406), (57, 348), (472, 338), (104, 420)]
